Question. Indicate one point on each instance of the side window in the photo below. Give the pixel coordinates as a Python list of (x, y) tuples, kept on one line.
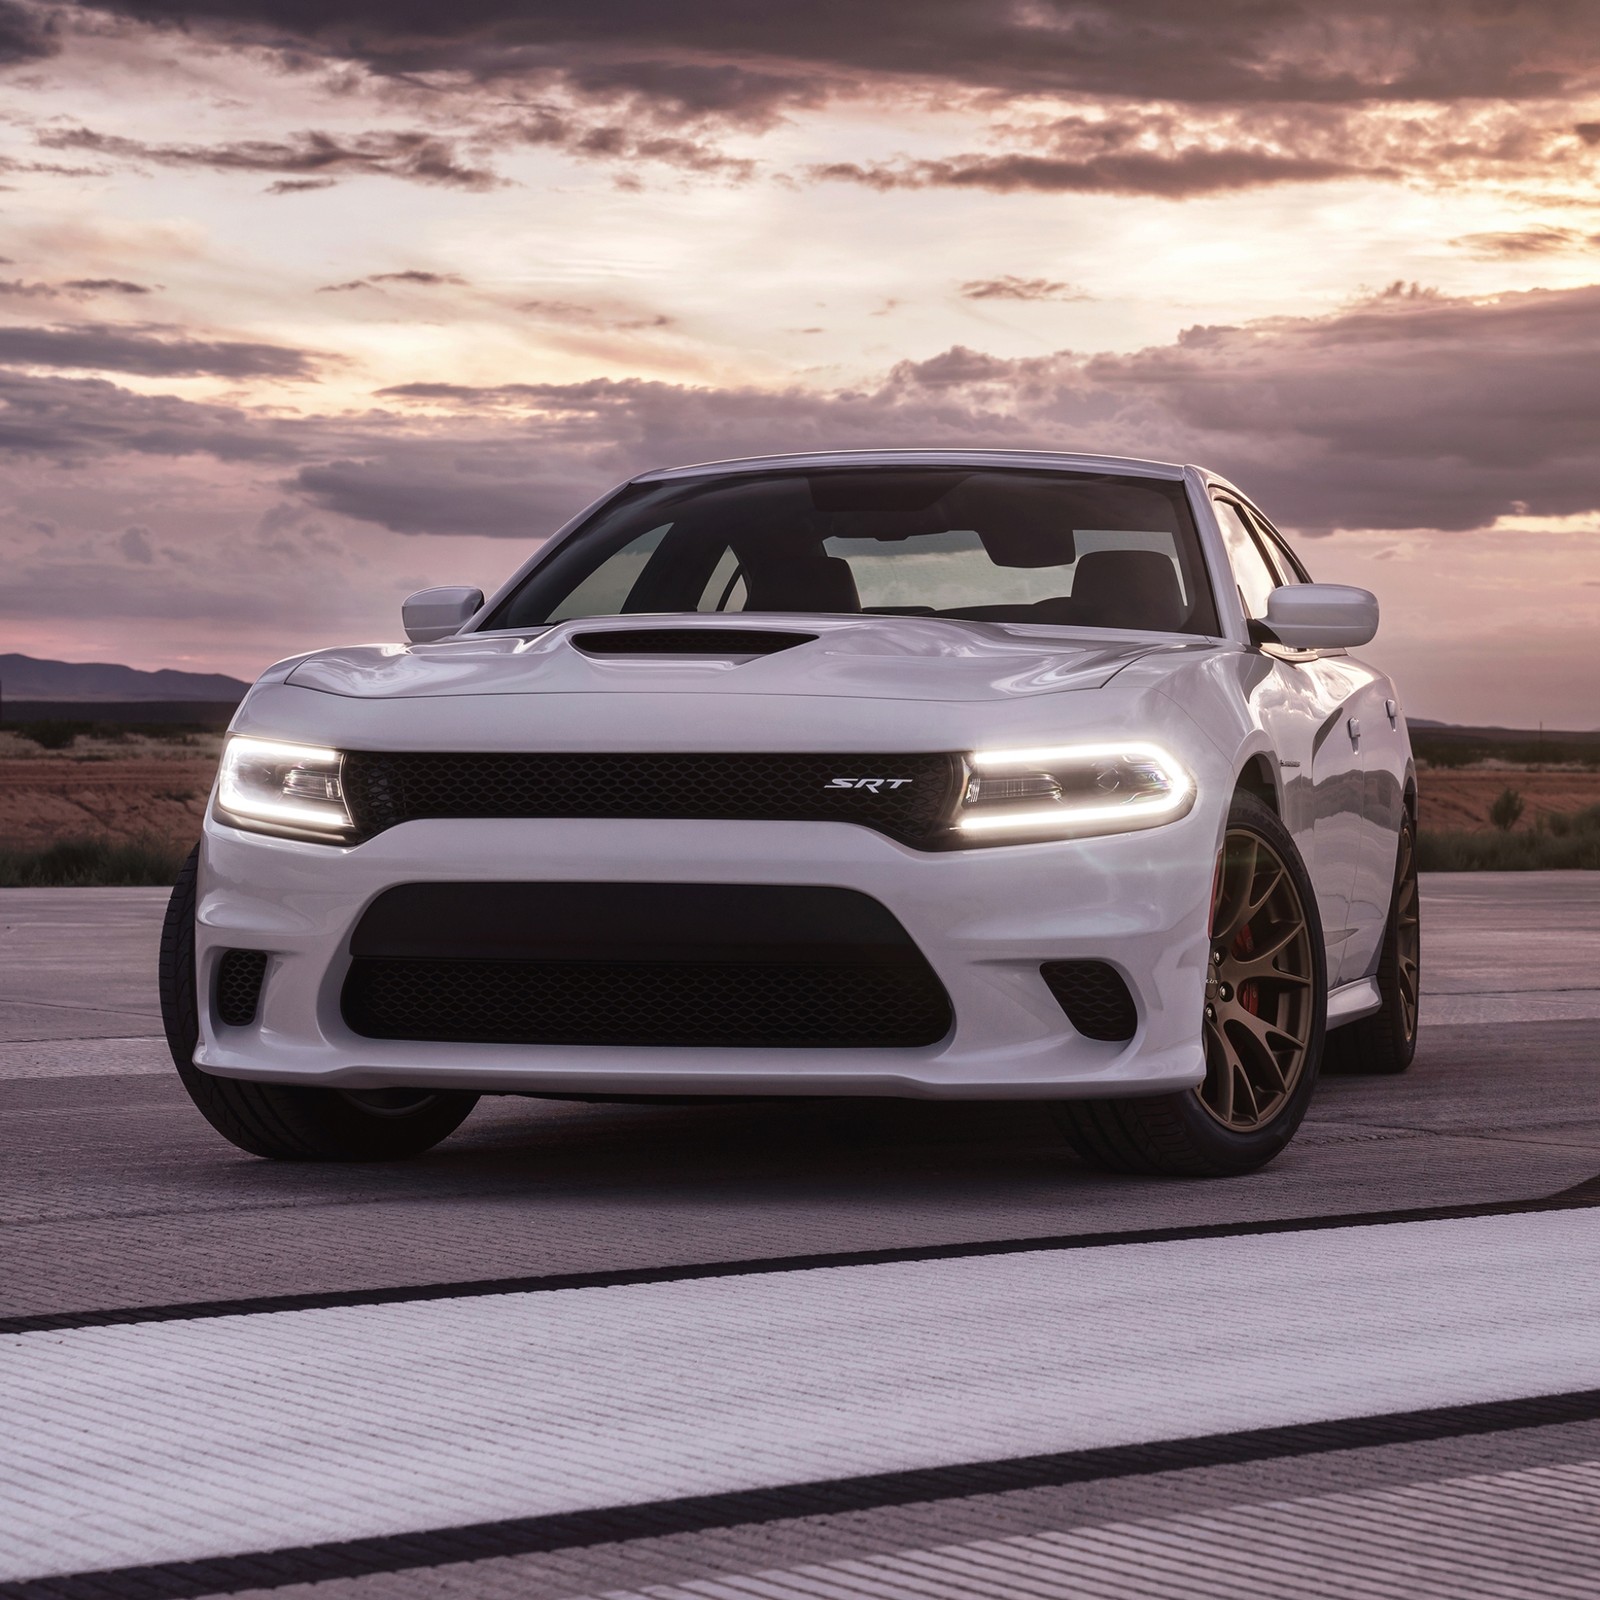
[(1282, 558), (1255, 578)]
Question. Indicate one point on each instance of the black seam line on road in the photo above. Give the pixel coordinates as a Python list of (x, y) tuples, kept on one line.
[(1580, 1197), (654, 1519)]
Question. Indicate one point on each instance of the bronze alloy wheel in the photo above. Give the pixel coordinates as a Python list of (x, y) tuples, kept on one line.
[(1259, 1011), (1407, 933)]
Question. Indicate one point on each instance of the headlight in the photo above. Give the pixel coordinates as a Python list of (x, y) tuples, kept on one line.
[(1072, 789), (294, 789)]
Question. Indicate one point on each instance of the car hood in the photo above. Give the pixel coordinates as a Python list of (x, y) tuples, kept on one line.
[(899, 658)]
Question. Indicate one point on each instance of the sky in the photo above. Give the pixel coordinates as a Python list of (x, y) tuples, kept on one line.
[(306, 304)]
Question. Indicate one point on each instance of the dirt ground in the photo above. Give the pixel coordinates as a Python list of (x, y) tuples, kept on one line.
[(139, 787), (1460, 797), (129, 788)]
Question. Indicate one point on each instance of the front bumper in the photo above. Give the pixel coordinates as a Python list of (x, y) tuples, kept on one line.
[(985, 919)]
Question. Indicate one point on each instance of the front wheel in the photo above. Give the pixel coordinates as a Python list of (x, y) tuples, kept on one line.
[(285, 1121), (1264, 1014)]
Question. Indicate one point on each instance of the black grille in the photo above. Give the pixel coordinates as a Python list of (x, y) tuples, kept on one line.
[(640, 964), (239, 975), (646, 1003), (1094, 997), (688, 642), (911, 802)]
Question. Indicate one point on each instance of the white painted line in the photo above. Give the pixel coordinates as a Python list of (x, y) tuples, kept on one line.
[(1511, 1005), (164, 1441), (84, 1058), (1533, 1533)]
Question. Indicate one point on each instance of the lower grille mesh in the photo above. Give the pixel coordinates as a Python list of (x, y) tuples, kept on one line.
[(238, 991), (1094, 997), (749, 1004)]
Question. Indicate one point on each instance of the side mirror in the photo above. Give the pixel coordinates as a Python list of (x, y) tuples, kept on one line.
[(432, 614), (1317, 616)]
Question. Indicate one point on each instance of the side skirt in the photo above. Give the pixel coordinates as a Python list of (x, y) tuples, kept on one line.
[(1350, 1002)]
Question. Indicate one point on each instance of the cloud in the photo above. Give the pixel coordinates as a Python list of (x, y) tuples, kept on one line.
[(1165, 176), (586, 138), (578, 314), (56, 169), (416, 156), (135, 545), (418, 497), (738, 61), (1543, 240), (1410, 409), (414, 275), (106, 286), (1147, 97), (27, 33), (72, 289), (1010, 287), (105, 348), (300, 185), (425, 280), (97, 423)]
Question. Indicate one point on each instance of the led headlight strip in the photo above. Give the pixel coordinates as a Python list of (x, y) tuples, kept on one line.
[(1086, 788), (283, 788)]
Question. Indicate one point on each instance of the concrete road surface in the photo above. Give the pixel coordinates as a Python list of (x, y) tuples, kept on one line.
[(794, 1350)]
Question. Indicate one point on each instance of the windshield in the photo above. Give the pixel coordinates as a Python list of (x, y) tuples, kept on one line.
[(1063, 549)]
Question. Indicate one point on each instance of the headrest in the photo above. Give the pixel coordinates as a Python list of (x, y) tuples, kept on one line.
[(802, 581), (1128, 589)]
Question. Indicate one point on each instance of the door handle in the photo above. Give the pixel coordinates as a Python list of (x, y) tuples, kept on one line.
[(1393, 712), (1354, 725)]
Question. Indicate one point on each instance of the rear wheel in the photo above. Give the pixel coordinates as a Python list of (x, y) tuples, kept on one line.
[(1386, 1042), (286, 1121), (1264, 1014)]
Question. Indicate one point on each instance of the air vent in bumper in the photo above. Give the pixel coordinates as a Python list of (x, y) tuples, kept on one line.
[(238, 986), (756, 966), (1094, 997)]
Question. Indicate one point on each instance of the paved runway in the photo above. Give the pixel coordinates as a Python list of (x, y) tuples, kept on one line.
[(860, 1349)]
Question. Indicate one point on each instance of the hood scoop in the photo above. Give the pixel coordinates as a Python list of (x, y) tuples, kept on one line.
[(721, 643)]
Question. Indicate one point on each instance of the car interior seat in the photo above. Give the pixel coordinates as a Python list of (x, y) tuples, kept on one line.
[(801, 580), (1127, 589)]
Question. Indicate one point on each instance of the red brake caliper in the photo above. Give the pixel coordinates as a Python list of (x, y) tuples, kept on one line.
[(1249, 998)]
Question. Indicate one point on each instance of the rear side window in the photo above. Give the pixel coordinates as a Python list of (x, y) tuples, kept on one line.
[(993, 545)]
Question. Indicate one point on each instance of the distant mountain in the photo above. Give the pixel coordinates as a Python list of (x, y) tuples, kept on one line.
[(23, 678)]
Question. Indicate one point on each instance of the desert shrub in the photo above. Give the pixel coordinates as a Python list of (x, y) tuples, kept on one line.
[(53, 733), (1506, 810), (1446, 752), (90, 863), (1529, 851), (1456, 750)]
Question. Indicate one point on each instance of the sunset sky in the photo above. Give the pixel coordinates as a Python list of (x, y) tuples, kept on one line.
[(305, 304)]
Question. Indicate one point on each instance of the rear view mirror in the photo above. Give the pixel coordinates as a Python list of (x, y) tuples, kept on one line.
[(432, 614), (1317, 616)]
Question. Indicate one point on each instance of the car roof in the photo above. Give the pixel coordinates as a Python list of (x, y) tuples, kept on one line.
[(1039, 460)]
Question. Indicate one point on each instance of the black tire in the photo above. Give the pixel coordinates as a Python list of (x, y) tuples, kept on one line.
[(1386, 1042), (1176, 1135), (284, 1121)]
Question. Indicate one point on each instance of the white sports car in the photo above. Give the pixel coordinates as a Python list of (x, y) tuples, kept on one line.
[(946, 773)]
